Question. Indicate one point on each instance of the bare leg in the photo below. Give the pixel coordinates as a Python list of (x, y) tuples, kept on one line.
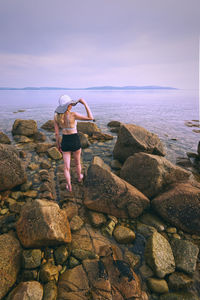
[(67, 158), (77, 159)]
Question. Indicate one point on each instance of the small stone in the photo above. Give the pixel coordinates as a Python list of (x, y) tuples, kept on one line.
[(82, 254), (178, 281), (31, 194), (50, 291), (123, 235), (73, 262), (54, 153), (32, 258), (33, 166), (146, 271), (45, 165), (48, 272), (4, 139), (16, 195), (76, 223), (4, 211), (107, 229), (145, 230), (132, 259), (115, 164), (97, 219), (176, 236), (171, 230), (158, 286), (26, 186), (185, 254), (61, 255)]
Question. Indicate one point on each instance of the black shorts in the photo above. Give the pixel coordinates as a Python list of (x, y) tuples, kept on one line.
[(70, 142)]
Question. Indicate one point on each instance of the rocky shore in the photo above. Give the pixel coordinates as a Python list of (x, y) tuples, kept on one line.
[(130, 230)]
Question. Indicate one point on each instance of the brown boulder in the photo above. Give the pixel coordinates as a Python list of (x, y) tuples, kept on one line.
[(24, 127), (4, 139), (27, 290), (99, 136), (51, 226), (84, 140), (10, 262), (48, 126), (106, 192), (12, 171), (87, 127), (180, 206), (151, 173), (132, 139), (43, 147)]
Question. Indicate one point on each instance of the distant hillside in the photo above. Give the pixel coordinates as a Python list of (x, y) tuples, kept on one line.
[(145, 87)]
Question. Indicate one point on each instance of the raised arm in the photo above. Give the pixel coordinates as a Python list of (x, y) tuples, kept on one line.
[(89, 116)]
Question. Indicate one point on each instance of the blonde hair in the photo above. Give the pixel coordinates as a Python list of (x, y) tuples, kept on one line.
[(60, 119)]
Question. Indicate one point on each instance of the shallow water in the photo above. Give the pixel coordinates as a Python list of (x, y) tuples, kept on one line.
[(163, 112)]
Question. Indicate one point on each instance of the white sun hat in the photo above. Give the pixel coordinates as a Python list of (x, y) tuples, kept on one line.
[(64, 101)]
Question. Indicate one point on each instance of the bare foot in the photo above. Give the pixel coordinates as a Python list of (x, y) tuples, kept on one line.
[(69, 187), (80, 178)]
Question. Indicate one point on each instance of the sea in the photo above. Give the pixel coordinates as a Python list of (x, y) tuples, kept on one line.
[(163, 112)]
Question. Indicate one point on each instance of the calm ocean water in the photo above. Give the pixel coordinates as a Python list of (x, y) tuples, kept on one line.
[(163, 112)]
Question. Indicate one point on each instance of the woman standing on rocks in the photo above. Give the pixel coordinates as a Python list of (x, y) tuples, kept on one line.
[(65, 120)]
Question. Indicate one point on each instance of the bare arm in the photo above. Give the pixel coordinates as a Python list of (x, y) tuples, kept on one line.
[(89, 116), (56, 127)]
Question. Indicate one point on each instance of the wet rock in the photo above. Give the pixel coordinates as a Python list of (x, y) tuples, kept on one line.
[(88, 128), (76, 223), (180, 206), (159, 255), (99, 136), (43, 147), (39, 137), (4, 139), (97, 219), (151, 173), (84, 140), (123, 235), (22, 139), (114, 124), (185, 255), (48, 126), (10, 262), (105, 192), (50, 291), (54, 153), (48, 272), (178, 281), (179, 296), (31, 258), (24, 127), (12, 171), (61, 255), (132, 139), (158, 286), (50, 228), (145, 230), (27, 290), (153, 220), (115, 164)]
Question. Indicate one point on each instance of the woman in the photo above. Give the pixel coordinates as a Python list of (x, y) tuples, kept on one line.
[(66, 120)]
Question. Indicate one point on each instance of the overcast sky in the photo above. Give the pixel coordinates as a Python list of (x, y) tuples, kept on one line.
[(82, 43)]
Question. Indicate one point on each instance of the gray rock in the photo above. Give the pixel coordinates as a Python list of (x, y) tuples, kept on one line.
[(12, 170), (32, 258), (10, 262), (27, 290), (185, 255), (185, 215), (159, 256), (151, 173), (24, 127), (145, 230), (132, 139), (4, 139), (178, 281)]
